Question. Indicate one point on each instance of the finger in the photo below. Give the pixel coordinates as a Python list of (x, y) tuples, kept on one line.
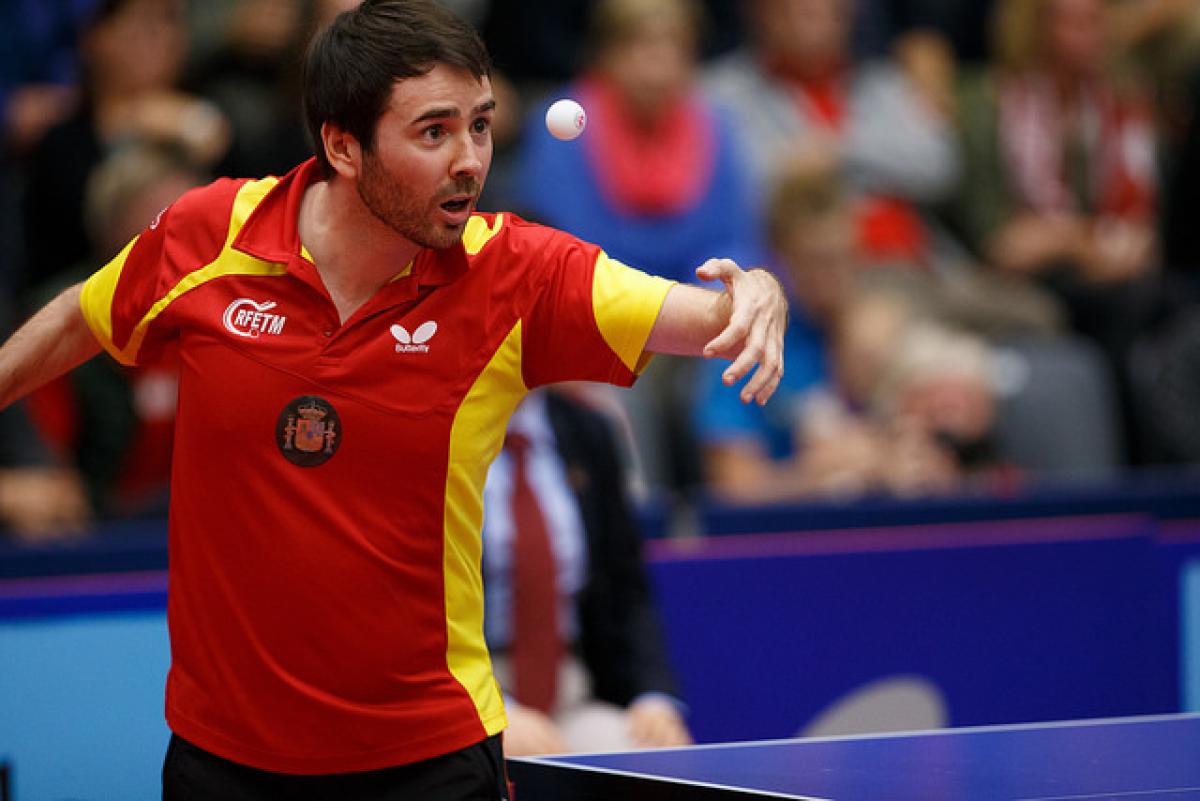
[(771, 367), (773, 359), (742, 364), (729, 344), (764, 358), (772, 384), (725, 270), (730, 340), (750, 355), (762, 384), (747, 309)]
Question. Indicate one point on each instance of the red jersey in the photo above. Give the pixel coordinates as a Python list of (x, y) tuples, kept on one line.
[(326, 605)]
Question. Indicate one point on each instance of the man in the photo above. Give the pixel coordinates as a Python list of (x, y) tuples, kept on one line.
[(576, 642), (351, 340)]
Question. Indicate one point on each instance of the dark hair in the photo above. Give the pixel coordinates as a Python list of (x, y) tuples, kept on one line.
[(351, 65)]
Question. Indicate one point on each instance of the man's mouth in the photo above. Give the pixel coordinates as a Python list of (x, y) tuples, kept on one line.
[(458, 204)]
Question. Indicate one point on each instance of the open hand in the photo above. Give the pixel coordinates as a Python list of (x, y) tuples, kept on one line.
[(757, 318)]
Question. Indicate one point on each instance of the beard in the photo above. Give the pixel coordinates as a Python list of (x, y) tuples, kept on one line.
[(404, 212)]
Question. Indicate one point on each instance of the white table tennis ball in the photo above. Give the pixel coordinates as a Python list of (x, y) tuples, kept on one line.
[(566, 119)]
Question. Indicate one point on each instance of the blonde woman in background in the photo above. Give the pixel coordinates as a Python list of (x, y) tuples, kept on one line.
[(1060, 182)]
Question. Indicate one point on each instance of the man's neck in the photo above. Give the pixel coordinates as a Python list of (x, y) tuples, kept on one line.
[(354, 252)]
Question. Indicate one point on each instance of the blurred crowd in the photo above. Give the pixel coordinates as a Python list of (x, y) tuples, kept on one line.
[(980, 212)]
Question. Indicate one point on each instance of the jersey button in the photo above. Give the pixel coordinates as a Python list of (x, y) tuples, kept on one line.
[(327, 332)]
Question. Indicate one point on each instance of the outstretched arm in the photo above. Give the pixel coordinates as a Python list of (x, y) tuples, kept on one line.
[(744, 323), (55, 340)]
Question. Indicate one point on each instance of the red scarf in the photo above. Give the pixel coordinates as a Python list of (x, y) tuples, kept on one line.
[(657, 171), (1117, 136)]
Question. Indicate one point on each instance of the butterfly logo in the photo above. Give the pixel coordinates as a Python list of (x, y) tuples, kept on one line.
[(416, 342)]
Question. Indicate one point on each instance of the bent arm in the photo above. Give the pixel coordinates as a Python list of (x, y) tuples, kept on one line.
[(744, 323), (53, 341), (690, 318)]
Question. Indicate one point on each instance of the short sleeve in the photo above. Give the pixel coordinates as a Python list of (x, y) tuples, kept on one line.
[(124, 303), (590, 318), (98, 300)]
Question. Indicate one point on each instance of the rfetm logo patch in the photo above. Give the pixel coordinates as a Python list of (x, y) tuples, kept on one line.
[(248, 318), (308, 431), (416, 341)]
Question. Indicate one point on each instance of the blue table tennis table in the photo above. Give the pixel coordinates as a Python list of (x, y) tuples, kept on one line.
[(1152, 758)]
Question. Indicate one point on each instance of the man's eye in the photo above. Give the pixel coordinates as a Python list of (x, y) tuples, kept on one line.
[(481, 125), (435, 132)]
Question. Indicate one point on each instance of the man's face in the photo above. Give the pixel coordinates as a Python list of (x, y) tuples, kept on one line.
[(432, 150)]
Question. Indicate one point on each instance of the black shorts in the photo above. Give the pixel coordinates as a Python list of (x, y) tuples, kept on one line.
[(475, 773)]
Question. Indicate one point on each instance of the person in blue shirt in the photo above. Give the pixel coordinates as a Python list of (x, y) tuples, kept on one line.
[(774, 426), (657, 177), (824, 434)]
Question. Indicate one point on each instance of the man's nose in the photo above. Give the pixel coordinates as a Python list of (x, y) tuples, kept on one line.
[(469, 159)]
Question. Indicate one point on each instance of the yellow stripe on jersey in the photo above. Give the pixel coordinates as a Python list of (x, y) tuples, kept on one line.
[(475, 438), (95, 300), (97, 297), (407, 271), (477, 233), (626, 303)]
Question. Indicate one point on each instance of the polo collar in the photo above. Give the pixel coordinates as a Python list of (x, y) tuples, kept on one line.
[(271, 233)]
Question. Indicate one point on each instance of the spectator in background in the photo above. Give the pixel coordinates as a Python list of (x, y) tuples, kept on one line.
[(541, 43), (131, 53), (536, 41), (38, 89), (114, 424), (795, 94), (39, 67), (882, 24), (40, 497), (576, 643), (252, 73), (1060, 173), (253, 76), (656, 177), (1161, 38), (877, 397), (926, 391)]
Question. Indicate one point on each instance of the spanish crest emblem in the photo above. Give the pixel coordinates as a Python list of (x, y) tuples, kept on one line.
[(308, 431)]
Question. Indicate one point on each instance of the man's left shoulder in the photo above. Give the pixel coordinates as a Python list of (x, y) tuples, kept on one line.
[(508, 234)]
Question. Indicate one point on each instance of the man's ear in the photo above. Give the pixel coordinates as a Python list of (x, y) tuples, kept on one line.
[(342, 149)]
